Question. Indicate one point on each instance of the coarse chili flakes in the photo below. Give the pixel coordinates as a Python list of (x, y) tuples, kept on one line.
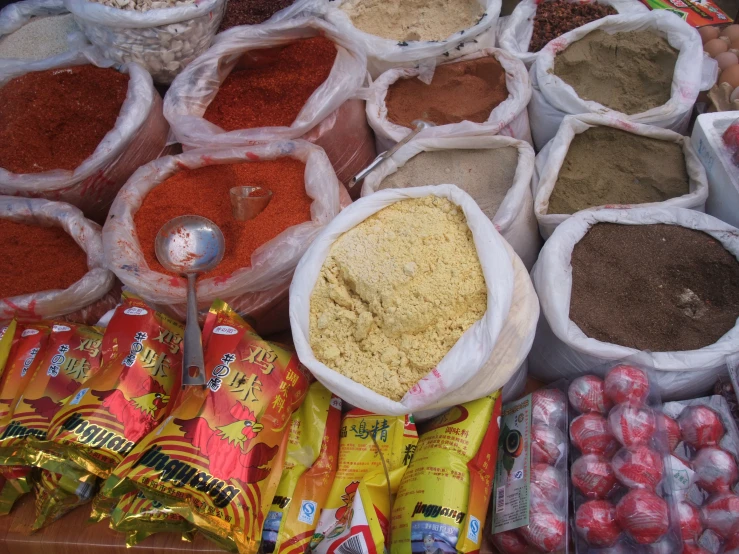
[(251, 12), (554, 18), (205, 191), (55, 119), (269, 87), (38, 259)]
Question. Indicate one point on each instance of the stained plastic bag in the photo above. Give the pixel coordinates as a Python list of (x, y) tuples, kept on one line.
[(561, 349), (255, 290), (509, 118), (138, 137), (515, 35), (553, 99), (514, 218), (487, 354), (384, 54), (550, 160), (92, 289), (162, 40)]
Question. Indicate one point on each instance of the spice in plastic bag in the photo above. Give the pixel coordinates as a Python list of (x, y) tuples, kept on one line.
[(57, 495), (251, 12), (138, 517)]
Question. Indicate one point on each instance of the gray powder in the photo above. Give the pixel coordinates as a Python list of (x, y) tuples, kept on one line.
[(486, 174), (39, 38)]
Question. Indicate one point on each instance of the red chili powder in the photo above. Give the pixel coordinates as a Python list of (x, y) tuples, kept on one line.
[(205, 192), (38, 259), (55, 119), (269, 87)]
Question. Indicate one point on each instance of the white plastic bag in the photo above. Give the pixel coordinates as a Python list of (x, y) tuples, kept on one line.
[(482, 360), (515, 35), (553, 99), (561, 349), (162, 40), (509, 118), (549, 162), (82, 295), (256, 291), (515, 216), (384, 54), (139, 135)]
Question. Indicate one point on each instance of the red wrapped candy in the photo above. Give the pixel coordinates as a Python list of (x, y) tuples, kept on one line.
[(593, 476), (546, 529), (545, 444), (595, 522), (644, 515), (587, 394), (691, 547), (665, 546), (625, 383), (510, 542), (548, 407), (591, 434), (732, 545), (671, 428), (638, 467), (549, 483), (715, 470), (700, 426), (721, 515), (690, 521), (632, 425)]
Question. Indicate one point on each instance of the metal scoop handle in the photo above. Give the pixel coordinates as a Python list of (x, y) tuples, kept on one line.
[(193, 364)]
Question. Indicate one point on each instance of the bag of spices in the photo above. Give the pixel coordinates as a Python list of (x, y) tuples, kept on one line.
[(15, 481), (297, 74), (57, 495), (8, 339), (623, 163), (257, 12), (253, 278), (112, 123), (483, 93), (654, 80), (475, 362), (494, 171), (138, 517), (656, 286)]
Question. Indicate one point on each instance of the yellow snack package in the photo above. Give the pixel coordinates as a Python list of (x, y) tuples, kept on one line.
[(16, 481), (57, 495), (8, 338), (310, 467), (102, 507), (138, 517), (374, 452), (443, 498)]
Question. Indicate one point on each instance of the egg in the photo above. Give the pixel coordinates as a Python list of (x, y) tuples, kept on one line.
[(734, 95), (731, 32), (715, 47), (726, 59), (730, 75), (708, 33)]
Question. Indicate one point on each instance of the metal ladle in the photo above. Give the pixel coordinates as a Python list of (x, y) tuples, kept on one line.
[(188, 245)]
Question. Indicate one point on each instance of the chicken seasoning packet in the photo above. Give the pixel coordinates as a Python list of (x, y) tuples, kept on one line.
[(8, 338), (57, 495), (138, 517), (217, 459), (128, 397)]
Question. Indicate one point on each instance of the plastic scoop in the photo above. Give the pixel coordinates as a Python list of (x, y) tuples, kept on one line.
[(248, 202)]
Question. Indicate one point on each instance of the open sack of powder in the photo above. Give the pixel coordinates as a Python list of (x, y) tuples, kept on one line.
[(484, 93), (655, 285), (620, 163), (495, 171), (261, 254), (294, 79), (138, 134), (655, 78), (484, 357), (43, 238)]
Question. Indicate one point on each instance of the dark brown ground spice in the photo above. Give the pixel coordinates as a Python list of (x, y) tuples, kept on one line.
[(55, 119), (251, 12), (554, 18), (38, 259), (661, 288)]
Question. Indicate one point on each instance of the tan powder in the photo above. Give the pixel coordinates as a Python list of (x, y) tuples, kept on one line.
[(395, 294)]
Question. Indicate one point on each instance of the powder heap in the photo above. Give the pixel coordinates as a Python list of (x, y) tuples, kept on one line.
[(462, 91), (205, 191), (628, 72), (662, 288), (554, 18), (251, 12), (395, 294), (38, 259), (609, 166), (485, 174), (55, 119), (40, 38), (405, 20), (270, 87)]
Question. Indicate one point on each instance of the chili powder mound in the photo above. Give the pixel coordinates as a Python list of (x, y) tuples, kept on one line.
[(269, 87), (251, 12), (55, 119), (205, 191), (38, 259)]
